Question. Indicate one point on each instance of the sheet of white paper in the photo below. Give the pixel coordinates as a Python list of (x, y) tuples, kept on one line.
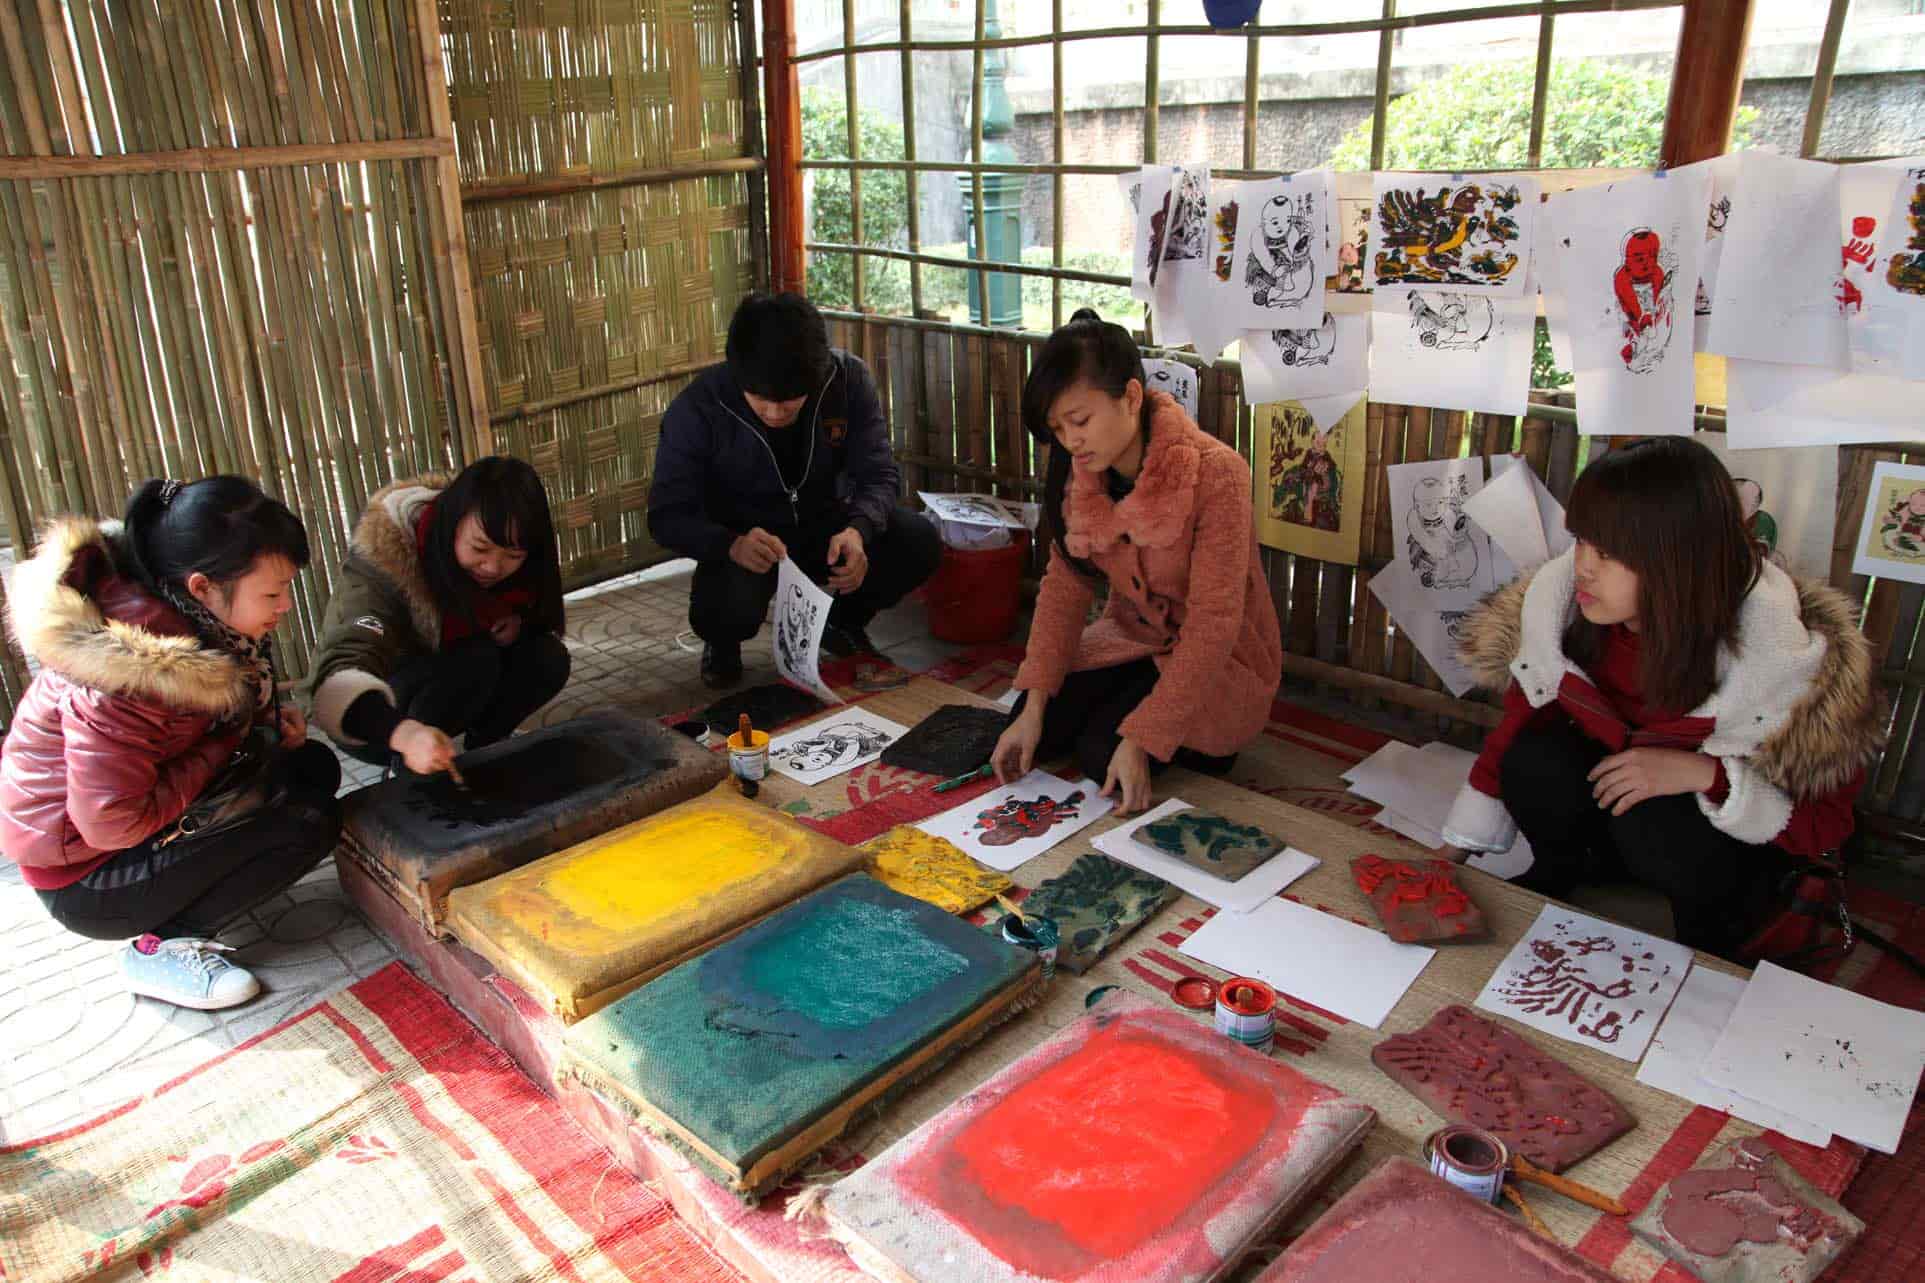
[(1291, 947), (1327, 411), (1284, 252), (1418, 785), (1557, 321), (1549, 510), (1008, 698), (1790, 499), (1775, 296), (1209, 289), (1684, 1041), (1507, 511), (1891, 539), (1152, 213), (1247, 892), (801, 613), (1721, 177), (1432, 629), (1175, 378), (1769, 406), (1433, 230), (1625, 251), (1879, 321), (1836, 1057), (973, 509), (1589, 981), (1505, 864), (1422, 836), (1296, 365), (1018, 822), (1181, 285), (1903, 277), (1447, 556), (831, 745), (1455, 351)]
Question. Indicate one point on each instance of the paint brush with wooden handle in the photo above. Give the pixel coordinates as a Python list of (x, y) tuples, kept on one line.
[(1010, 907), (1531, 1218), (1525, 1170)]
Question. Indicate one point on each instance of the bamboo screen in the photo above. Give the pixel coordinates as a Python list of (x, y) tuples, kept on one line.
[(612, 195), (223, 248)]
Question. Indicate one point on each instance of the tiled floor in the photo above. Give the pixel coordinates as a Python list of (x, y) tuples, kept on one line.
[(73, 1042)]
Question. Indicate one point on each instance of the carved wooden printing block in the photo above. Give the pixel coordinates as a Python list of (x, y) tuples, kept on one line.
[(1744, 1216), (1418, 901), (1205, 840), (526, 797), (1471, 1070), (952, 741)]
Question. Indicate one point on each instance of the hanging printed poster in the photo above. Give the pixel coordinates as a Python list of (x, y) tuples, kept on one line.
[(1205, 289), (1622, 250), (1774, 298), (1327, 360), (1789, 500), (1904, 240), (1175, 378), (1309, 482), (1723, 172), (1456, 351), (1891, 541), (1442, 563), (1878, 318), (1463, 234), (801, 615), (1283, 252), (1350, 230), (1152, 208)]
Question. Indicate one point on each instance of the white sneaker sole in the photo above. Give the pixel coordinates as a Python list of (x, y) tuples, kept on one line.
[(196, 1004)]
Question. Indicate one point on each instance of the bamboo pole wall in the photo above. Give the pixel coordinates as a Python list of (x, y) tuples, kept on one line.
[(223, 248)]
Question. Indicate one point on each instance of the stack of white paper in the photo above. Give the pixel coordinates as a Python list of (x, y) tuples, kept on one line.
[(1240, 896), (1416, 787)]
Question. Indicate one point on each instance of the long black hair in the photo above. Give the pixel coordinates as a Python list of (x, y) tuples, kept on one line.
[(1090, 350), (506, 496), (218, 526)]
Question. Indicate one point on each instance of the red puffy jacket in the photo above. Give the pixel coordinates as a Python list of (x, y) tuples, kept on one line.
[(116, 735)]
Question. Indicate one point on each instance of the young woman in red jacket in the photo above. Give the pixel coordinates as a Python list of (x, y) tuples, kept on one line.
[(153, 785), (1676, 710)]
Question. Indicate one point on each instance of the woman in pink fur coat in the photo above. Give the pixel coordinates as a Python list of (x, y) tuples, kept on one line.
[(1183, 663)]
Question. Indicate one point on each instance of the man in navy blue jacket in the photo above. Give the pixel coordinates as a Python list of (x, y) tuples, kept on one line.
[(782, 451)]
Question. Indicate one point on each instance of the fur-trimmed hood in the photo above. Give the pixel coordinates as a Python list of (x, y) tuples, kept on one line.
[(75, 611), (1156, 512), (384, 540), (1798, 696)]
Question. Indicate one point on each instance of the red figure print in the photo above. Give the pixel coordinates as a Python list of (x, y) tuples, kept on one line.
[(1019, 818), (1850, 297), (1639, 283)]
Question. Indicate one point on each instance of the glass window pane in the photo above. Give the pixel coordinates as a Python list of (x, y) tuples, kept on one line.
[(1780, 59), (1200, 98), (1610, 86), (1314, 96), (1877, 103)]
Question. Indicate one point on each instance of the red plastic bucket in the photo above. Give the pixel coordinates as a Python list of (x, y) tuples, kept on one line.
[(975, 593)]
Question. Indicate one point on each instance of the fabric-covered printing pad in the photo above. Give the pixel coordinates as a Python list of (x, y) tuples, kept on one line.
[(790, 1026), (1137, 1144), (952, 741), (1213, 843), (525, 797), (1094, 903), (1400, 1222), (1744, 1216), (930, 868), (1472, 1070), (581, 927)]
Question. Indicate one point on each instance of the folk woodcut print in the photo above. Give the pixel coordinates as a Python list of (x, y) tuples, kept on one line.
[(1309, 366), (1891, 541), (1476, 234), (1905, 270), (1309, 482), (834, 745)]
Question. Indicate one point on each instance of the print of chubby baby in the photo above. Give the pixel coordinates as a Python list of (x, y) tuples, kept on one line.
[(1442, 553), (1902, 530)]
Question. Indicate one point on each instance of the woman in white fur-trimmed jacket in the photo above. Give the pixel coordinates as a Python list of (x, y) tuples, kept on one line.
[(1677, 709)]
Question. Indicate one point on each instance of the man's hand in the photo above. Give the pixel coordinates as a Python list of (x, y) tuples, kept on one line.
[(425, 749), (848, 561), (758, 551), (1623, 780)]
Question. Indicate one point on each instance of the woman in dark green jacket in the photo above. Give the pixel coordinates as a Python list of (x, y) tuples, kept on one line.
[(446, 619)]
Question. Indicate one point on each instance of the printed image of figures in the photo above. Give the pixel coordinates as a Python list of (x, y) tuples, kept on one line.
[(1019, 819), (1902, 529), (1464, 235), (835, 745), (1174, 378), (1714, 224), (1305, 348), (1184, 232), (1280, 271), (1224, 219), (1906, 271), (1451, 322), (1642, 286), (795, 630), (1306, 486), (1437, 534)]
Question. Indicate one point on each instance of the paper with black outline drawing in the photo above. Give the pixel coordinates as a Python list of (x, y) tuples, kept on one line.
[(831, 745), (1884, 332), (801, 615), (1177, 379), (1328, 360), (974, 509), (1206, 291), (1468, 233), (1442, 564), (1775, 297), (1721, 176), (1284, 253), (1181, 286), (1455, 351), (1627, 258), (1150, 209)]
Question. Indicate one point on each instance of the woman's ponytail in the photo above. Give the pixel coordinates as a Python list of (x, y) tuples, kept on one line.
[(218, 527)]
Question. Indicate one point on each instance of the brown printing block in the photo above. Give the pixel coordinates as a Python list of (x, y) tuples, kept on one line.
[(1472, 1070), (1205, 840), (954, 740), (1418, 901), (1744, 1216)]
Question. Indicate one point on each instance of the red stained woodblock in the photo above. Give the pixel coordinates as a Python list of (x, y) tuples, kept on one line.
[(1418, 901)]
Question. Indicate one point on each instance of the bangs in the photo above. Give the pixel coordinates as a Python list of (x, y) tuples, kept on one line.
[(1610, 521), (505, 515)]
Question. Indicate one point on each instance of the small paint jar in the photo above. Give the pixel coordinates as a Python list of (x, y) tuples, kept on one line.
[(1034, 932), (1470, 1158), (1246, 1011), (749, 762)]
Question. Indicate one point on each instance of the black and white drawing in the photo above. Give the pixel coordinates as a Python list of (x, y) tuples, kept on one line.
[(1305, 348), (1453, 349), (1285, 253), (837, 743), (1175, 378), (974, 509), (1439, 540), (1185, 236), (801, 613), (1446, 564), (1453, 322), (1330, 359)]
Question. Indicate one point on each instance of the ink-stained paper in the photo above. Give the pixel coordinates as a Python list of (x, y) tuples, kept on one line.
[(1789, 501), (1588, 981), (1462, 234), (1207, 288), (1018, 822), (1181, 284), (974, 509), (1151, 203), (1775, 293), (1891, 539), (839, 742), (1883, 323), (1721, 176), (1443, 564), (1239, 896), (801, 615), (1325, 360), (1176, 379), (1457, 350), (1095, 903), (1627, 252), (1684, 1041), (908, 860), (1309, 481), (1838, 1058), (1284, 252)]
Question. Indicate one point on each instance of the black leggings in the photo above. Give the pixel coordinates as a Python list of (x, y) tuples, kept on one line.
[(1719, 887), (1083, 720), (194, 886), (477, 687)]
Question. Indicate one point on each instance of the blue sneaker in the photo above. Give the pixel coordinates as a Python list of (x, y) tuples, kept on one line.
[(186, 972)]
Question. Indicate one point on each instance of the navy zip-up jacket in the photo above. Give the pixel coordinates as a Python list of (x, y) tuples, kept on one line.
[(716, 476)]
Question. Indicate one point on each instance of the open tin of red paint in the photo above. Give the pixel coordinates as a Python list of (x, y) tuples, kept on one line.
[(1470, 1158), (1246, 1010), (1198, 993)]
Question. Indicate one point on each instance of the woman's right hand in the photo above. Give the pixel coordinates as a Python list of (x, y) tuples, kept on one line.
[(1015, 751), (424, 748)]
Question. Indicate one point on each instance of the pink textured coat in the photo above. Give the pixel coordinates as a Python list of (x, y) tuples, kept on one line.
[(1186, 586)]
